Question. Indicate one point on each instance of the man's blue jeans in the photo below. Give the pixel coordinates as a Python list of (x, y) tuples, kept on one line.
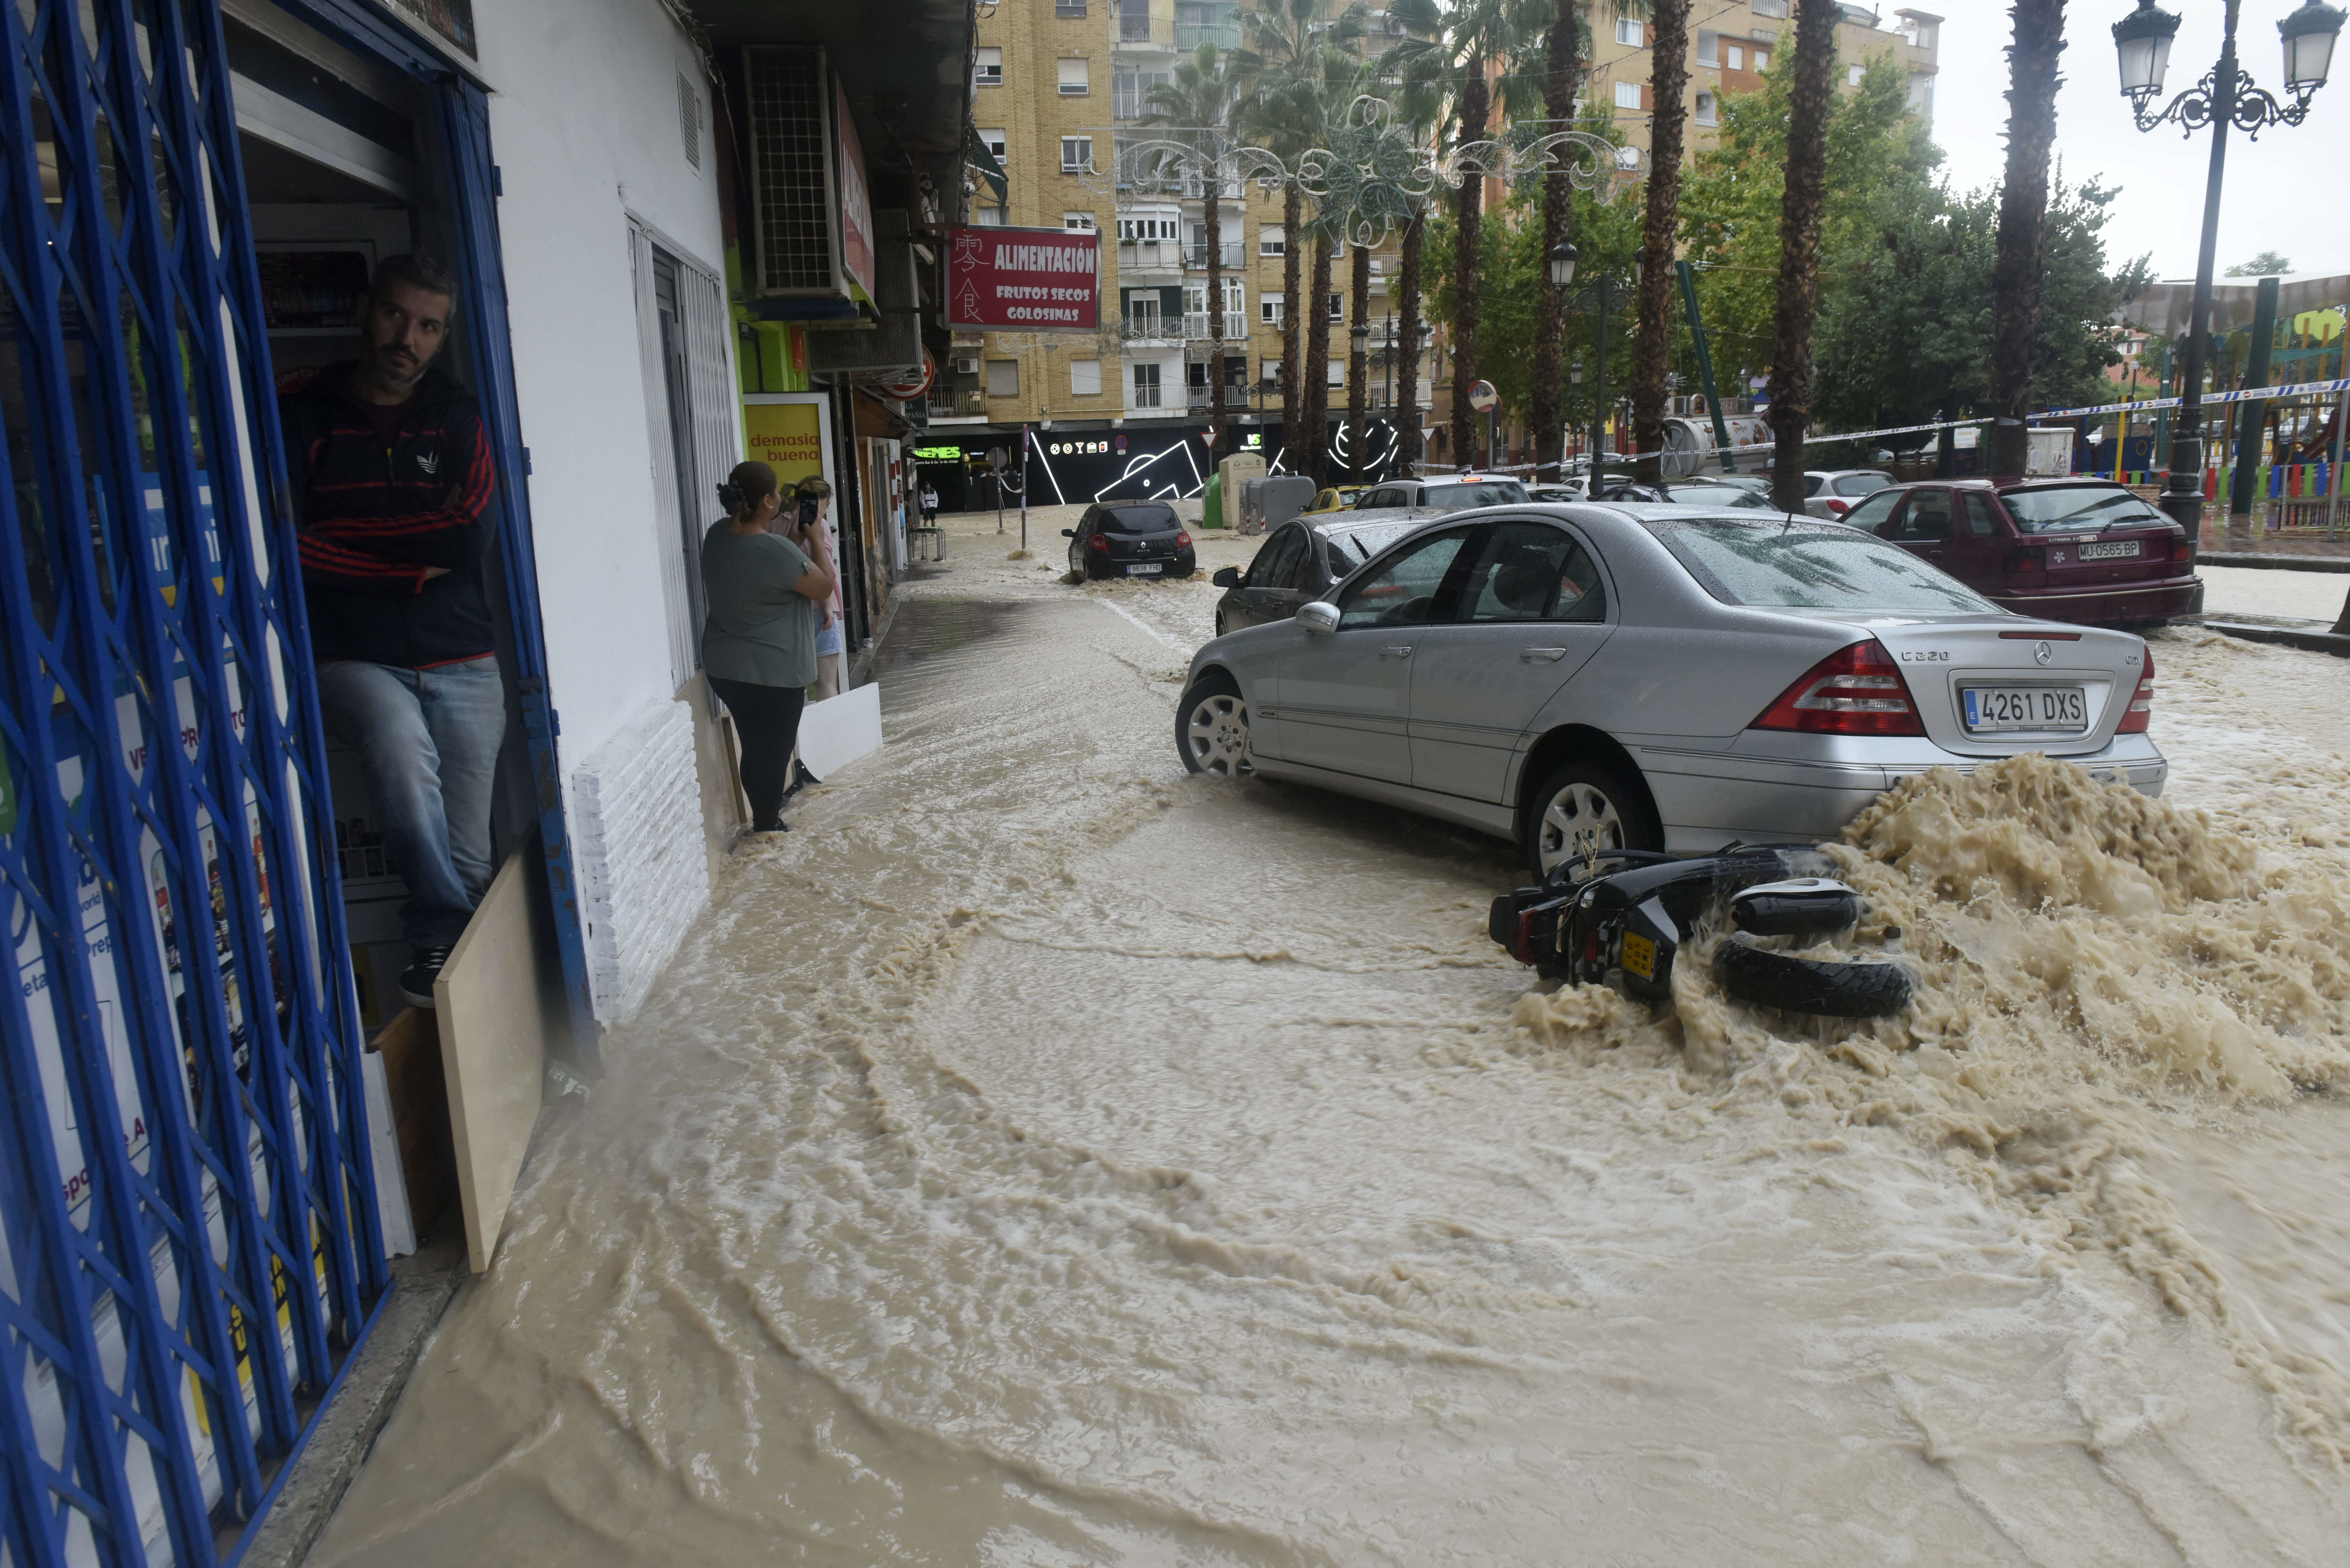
[(428, 740)]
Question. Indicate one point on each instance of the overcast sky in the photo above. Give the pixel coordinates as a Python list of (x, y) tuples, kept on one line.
[(2280, 194)]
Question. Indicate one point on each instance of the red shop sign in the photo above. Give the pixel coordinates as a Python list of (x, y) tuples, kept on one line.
[(1023, 280)]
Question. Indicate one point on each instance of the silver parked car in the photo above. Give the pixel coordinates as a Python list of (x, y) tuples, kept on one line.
[(1589, 677), (1455, 494), (1830, 492), (1301, 560)]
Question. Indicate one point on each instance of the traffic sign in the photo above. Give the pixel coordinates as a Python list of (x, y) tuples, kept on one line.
[(1483, 397)]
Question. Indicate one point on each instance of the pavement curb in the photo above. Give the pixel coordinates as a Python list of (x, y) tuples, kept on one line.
[(2258, 561), (2313, 637), (422, 1287)]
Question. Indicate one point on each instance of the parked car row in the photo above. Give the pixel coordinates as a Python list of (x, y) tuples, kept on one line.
[(1650, 676)]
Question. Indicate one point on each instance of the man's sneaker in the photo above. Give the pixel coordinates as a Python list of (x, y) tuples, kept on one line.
[(416, 980)]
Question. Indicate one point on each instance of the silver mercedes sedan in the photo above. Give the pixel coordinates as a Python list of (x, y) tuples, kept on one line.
[(1589, 677)]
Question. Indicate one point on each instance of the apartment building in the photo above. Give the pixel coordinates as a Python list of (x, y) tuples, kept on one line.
[(1061, 85), (1735, 43)]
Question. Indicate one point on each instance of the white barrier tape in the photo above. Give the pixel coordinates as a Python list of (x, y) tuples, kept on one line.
[(2144, 405)]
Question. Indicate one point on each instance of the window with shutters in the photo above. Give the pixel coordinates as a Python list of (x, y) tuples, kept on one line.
[(1706, 114), (689, 118), (1080, 222), (1145, 386), (1269, 308), (987, 67), (1074, 80), (1733, 57), (1627, 95), (1709, 47), (1004, 377), (1085, 377), (998, 144), (1629, 33)]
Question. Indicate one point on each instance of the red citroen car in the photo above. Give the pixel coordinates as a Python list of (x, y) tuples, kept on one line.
[(2080, 549)]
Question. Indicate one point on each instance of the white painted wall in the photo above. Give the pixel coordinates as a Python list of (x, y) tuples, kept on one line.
[(585, 131)]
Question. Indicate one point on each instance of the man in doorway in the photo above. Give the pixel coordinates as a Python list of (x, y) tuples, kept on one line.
[(391, 480)]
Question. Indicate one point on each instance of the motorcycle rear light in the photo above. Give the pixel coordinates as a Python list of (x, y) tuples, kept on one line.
[(2027, 558), (2141, 708), (1855, 690), (1099, 542)]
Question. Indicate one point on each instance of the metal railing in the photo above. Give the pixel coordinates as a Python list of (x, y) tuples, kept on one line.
[(1195, 325), (1134, 21), (1234, 253), (1190, 36), (1150, 328), (1147, 254), (1236, 395)]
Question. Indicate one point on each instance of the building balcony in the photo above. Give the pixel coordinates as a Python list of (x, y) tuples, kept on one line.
[(1150, 332), (1236, 256), (1149, 255), (1195, 326), (1236, 395), (1190, 36)]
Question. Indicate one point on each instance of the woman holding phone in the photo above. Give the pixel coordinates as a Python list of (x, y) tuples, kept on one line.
[(816, 502), (765, 588)]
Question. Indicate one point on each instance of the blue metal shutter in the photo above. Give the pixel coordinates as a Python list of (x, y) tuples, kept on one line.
[(187, 1219)]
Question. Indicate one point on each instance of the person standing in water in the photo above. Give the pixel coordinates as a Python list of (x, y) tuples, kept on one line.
[(758, 643)]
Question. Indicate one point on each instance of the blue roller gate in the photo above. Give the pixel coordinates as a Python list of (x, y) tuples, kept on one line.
[(187, 1216)]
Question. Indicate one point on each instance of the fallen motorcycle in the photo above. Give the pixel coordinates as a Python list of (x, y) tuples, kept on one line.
[(1625, 915)]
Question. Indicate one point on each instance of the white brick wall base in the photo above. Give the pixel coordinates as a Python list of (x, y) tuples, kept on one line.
[(643, 876)]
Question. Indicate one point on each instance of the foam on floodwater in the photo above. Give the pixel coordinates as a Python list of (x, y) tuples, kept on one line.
[(2094, 966)]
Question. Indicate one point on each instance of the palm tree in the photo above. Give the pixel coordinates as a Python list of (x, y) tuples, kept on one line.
[(1285, 46), (1652, 345), (2023, 210), (1809, 91), (1563, 56), (1456, 50), (1316, 389), (1198, 100)]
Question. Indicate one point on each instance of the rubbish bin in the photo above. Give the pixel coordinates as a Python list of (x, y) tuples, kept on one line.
[(1211, 503)]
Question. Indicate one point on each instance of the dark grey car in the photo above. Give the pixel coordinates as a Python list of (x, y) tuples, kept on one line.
[(1301, 559)]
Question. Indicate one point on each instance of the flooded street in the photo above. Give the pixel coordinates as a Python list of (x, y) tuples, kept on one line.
[(1042, 1156)]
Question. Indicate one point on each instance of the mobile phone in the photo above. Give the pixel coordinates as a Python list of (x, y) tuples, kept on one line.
[(808, 513)]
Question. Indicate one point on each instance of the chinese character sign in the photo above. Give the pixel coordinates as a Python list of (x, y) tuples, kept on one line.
[(1029, 280)]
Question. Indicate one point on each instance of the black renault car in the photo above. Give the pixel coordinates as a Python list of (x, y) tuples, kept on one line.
[(1129, 539)]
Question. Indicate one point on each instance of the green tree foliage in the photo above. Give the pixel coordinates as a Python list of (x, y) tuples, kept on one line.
[(2268, 263), (1905, 319)]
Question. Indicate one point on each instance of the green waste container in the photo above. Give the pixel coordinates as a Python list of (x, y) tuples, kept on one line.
[(1211, 505)]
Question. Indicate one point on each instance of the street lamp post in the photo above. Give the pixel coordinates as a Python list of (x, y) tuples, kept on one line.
[(2225, 96)]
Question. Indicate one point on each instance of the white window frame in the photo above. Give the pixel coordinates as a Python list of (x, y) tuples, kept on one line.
[(1852, 75), (1338, 306), (987, 67), (1627, 95), (1148, 385), (1709, 47), (1761, 59), (1083, 162), (1083, 371), (1270, 306), (1338, 368), (1708, 111), (998, 142), (1082, 86), (1079, 222), (1631, 32), (1270, 241), (1733, 57)]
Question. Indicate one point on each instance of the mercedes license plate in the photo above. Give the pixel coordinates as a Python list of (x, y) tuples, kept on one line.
[(2111, 550), (1994, 710), (1146, 568)]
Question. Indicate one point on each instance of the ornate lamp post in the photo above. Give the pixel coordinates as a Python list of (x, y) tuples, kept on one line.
[(2225, 96)]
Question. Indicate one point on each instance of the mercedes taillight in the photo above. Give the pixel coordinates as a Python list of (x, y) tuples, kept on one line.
[(2141, 708), (1855, 690)]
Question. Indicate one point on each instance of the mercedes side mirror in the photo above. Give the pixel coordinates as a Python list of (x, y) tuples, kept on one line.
[(1227, 577), (1318, 615), (1068, 533)]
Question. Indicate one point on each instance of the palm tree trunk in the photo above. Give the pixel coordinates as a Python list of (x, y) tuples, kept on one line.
[(1465, 281), (1356, 361), (1317, 363), (1558, 222), (1407, 352), (1652, 345), (1799, 246), (1293, 369), (1215, 316), (2015, 277)]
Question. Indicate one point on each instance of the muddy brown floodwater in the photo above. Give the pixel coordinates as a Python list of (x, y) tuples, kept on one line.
[(1043, 1157)]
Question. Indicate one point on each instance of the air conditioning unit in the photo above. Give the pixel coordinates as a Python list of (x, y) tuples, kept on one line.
[(966, 364)]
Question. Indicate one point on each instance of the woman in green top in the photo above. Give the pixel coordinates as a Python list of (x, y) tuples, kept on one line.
[(759, 641)]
